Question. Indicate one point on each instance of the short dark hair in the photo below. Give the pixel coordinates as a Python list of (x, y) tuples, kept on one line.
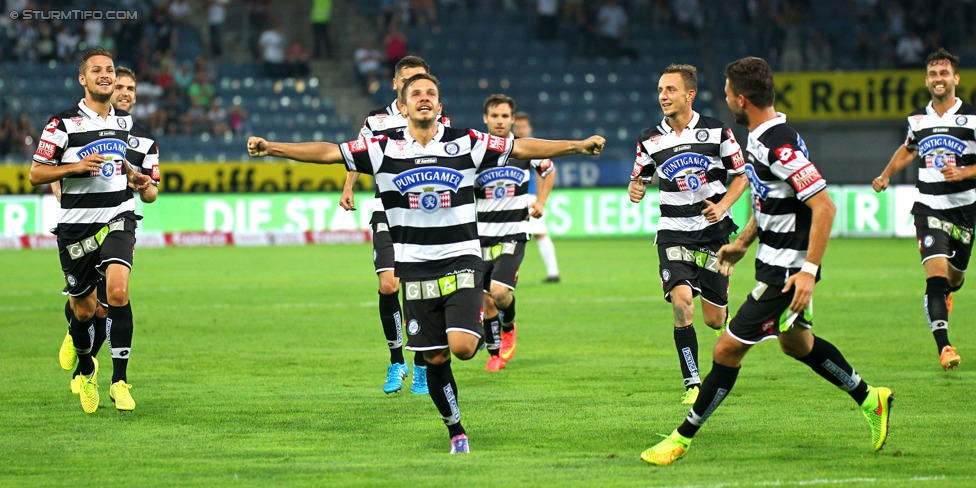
[(498, 99), (942, 55), (689, 74), (523, 116), (411, 62), (752, 78), (90, 52), (417, 77)]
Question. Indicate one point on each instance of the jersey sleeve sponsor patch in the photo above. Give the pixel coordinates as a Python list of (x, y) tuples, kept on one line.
[(52, 125), (45, 149), (497, 144), (357, 146), (805, 177)]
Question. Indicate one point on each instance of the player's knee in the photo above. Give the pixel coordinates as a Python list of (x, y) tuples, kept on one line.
[(117, 295), (465, 349), (389, 286), (84, 309), (501, 295)]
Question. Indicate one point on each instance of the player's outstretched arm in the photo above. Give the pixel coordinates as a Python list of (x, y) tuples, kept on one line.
[(305, 152), (347, 200), (902, 157), (531, 148), (542, 195)]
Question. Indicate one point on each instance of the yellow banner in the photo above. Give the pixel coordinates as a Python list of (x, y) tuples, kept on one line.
[(860, 95), (240, 177)]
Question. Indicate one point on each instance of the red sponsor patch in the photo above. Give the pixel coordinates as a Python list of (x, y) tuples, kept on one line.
[(51, 126), (737, 160), (478, 134), (446, 121), (768, 326), (640, 150), (359, 145), (78, 120), (46, 149), (637, 170), (497, 144), (154, 174), (805, 177), (785, 154)]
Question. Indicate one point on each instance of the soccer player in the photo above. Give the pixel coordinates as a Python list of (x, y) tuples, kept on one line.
[(792, 216), (389, 121), (537, 225), (943, 134), (142, 154), (504, 208), (692, 156), (84, 148), (426, 181)]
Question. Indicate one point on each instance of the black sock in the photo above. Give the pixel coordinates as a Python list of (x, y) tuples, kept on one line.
[(82, 334), (101, 334), (443, 391), (828, 362), (419, 359), (686, 342), (717, 385), (391, 318), (507, 316), (118, 327), (936, 310), (493, 334)]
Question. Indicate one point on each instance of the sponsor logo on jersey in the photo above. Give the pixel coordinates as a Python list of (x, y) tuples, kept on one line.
[(692, 182), (805, 177), (51, 126), (730, 135), (499, 192), (701, 135), (133, 142), (961, 120), (45, 149), (425, 161), (78, 120), (759, 189), (122, 123), (106, 133), (737, 160), (452, 148), (154, 174), (679, 165), (428, 176), (785, 154), (504, 173), (941, 144), (497, 144), (357, 146), (105, 147)]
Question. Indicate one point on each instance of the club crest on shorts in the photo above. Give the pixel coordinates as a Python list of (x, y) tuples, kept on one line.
[(70, 280), (928, 241), (413, 327)]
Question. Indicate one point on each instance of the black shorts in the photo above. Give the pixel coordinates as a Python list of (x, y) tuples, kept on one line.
[(941, 238), (502, 263), (383, 257), (695, 266), (434, 307), (766, 313), (84, 262)]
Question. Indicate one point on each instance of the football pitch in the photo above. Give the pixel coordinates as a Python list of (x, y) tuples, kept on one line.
[(263, 366)]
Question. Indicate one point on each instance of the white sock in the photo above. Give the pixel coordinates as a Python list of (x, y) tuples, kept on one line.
[(548, 253)]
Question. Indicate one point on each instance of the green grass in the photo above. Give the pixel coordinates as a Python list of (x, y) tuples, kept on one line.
[(263, 367)]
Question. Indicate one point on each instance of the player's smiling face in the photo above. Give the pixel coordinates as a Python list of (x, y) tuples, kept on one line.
[(423, 101), (499, 119), (941, 80), (124, 96), (672, 94), (99, 78)]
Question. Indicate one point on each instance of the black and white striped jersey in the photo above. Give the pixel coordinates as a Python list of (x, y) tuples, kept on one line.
[(782, 178), (143, 153), (949, 140), (691, 168), (389, 122), (428, 194), (88, 201), (503, 200)]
